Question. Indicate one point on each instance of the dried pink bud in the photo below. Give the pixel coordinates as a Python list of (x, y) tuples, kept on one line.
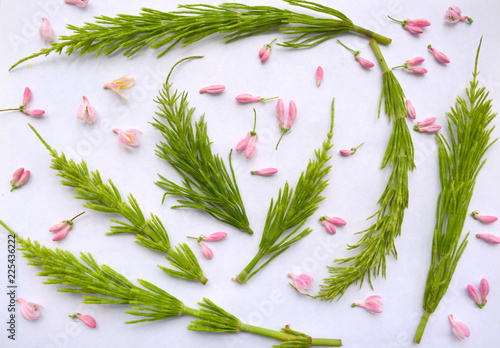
[(426, 122), (27, 96), (19, 178), (440, 56), (410, 110), (206, 251), (251, 147), (364, 62), (128, 138), (86, 112), (79, 3), (216, 236), (415, 61), (29, 310), (46, 31), (319, 75), (460, 330), (302, 282), (264, 172), (413, 29), (213, 89), (490, 238), (417, 70), (372, 304), (86, 319), (487, 219), (419, 22)]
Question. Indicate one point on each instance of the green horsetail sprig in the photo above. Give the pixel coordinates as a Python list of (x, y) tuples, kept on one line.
[(105, 197), (130, 34)]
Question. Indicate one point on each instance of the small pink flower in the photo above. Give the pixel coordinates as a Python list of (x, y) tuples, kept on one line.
[(19, 178), (426, 122), (86, 112), (61, 232), (86, 319), (413, 29), (242, 144), (206, 251), (46, 31), (280, 112), (417, 70), (433, 128), (454, 15), (319, 75), (128, 138), (364, 62), (440, 56), (29, 310), (292, 114), (117, 85), (26, 96), (410, 110), (484, 290), (251, 147), (460, 330), (419, 22), (34, 113), (415, 61), (372, 304), (265, 51), (490, 238), (264, 172), (330, 228), (213, 89), (350, 152), (487, 219), (247, 98), (216, 236), (302, 282), (79, 3), (336, 221), (471, 290)]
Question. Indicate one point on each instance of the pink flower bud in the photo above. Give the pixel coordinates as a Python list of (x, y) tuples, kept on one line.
[(250, 149), (487, 219), (26, 96), (46, 31), (247, 98), (86, 319), (242, 144), (413, 29), (62, 233), (364, 62), (29, 310), (426, 122), (266, 54), (433, 128), (79, 3), (59, 226), (484, 290), (213, 89), (86, 112), (264, 172), (453, 14), (490, 238), (292, 114), (206, 251), (460, 330), (330, 228), (34, 113), (128, 138), (16, 175), (215, 237), (419, 22), (302, 282), (319, 75), (280, 112), (410, 110), (372, 304), (440, 56), (347, 152), (417, 70), (471, 290), (336, 221), (19, 178), (415, 61)]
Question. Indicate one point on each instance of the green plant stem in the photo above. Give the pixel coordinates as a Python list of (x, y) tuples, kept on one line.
[(383, 40), (421, 327), (13, 109), (242, 276)]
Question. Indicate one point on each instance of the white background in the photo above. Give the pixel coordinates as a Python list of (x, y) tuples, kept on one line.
[(59, 82)]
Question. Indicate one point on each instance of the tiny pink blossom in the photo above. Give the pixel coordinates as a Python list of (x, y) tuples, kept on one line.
[(79, 3), (336, 221), (292, 114), (86, 319), (440, 56), (62, 232), (127, 138), (265, 51), (433, 128), (16, 175), (471, 290), (302, 282), (34, 113), (487, 219), (29, 310), (319, 75), (330, 228), (484, 290), (86, 112), (417, 70), (490, 238), (415, 61), (410, 110), (280, 112), (213, 89), (364, 62), (206, 251), (453, 14), (426, 122), (419, 22), (242, 144), (413, 29), (264, 172), (251, 147), (118, 84), (19, 178), (247, 98), (216, 236), (372, 304), (350, 152), (460, 330), (27, 96), (46, 31)]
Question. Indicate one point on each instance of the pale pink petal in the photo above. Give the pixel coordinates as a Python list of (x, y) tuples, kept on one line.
[(413, 29), (34, 113), (410, 110), (243, 143), (419, 22), (29, 310), (484, 290), (87, 320), (79, 3), (336, 221), (460, 330), (319, 75), (417, 70), (426, 122), (206, 251), (280, 112), (471, 290), (26, 96), (251, 147), (216, 236), (86, 112), (364, 62), (16, 175), (264, 171), (415, 61), (213, 89)]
